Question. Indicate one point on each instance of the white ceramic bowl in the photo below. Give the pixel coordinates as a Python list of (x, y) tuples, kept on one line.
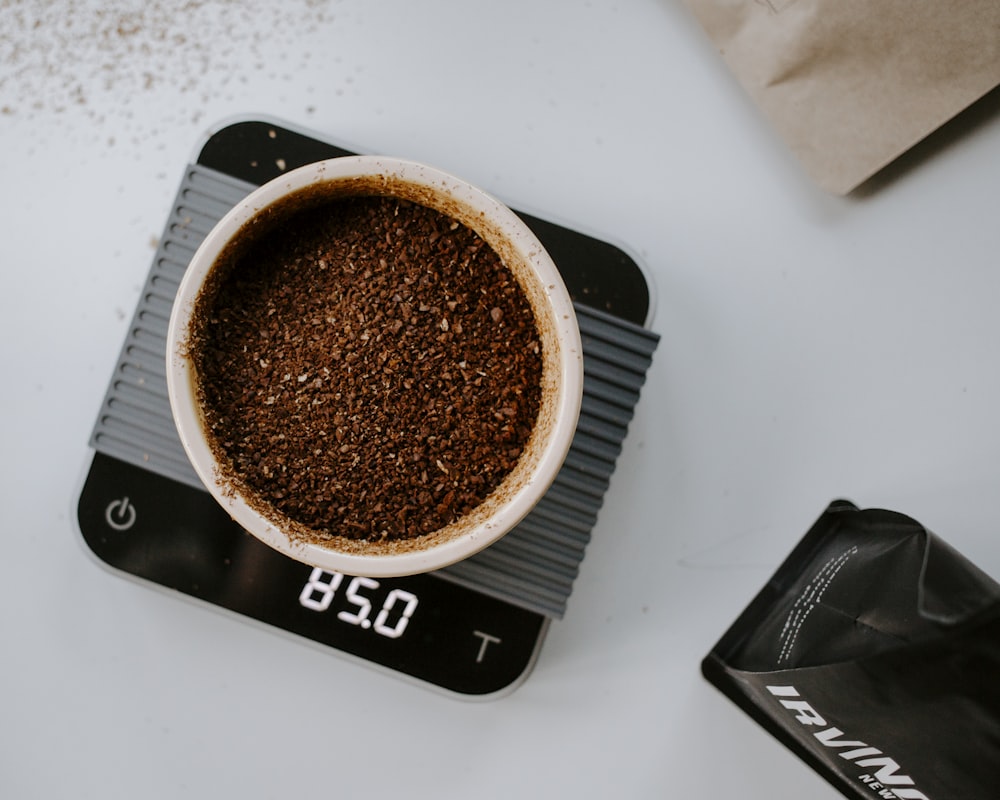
[(562, 377)]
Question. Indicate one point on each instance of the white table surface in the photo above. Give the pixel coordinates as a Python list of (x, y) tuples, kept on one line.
[(813, 347)]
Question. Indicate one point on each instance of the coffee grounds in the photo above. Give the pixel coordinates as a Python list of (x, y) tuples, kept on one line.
[(370, 369)]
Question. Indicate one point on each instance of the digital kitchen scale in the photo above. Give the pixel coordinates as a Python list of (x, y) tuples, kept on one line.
[(473, 629)]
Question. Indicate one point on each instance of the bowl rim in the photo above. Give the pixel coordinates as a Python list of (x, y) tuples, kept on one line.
[(502, 221)]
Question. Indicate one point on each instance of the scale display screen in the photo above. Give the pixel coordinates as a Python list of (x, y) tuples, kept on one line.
[(421, 625)]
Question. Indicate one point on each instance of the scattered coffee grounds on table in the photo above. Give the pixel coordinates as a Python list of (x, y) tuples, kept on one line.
[(370, 368)]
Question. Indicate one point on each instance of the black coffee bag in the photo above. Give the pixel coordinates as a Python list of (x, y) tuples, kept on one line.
[(873, 653)]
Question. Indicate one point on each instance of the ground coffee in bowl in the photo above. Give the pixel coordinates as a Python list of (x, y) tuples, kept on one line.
[(374, 366)]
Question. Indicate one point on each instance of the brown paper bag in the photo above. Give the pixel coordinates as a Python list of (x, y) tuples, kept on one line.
[(852, 84)]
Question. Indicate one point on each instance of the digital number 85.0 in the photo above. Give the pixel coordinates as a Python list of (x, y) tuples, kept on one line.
[(322, 586)]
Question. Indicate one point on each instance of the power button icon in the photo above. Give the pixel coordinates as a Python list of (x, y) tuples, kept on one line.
[(120, 514)]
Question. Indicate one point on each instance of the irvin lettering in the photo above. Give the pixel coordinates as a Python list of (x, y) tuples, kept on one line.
[(886, 781)]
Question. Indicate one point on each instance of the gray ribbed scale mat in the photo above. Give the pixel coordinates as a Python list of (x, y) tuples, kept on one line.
[(534, 566)]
